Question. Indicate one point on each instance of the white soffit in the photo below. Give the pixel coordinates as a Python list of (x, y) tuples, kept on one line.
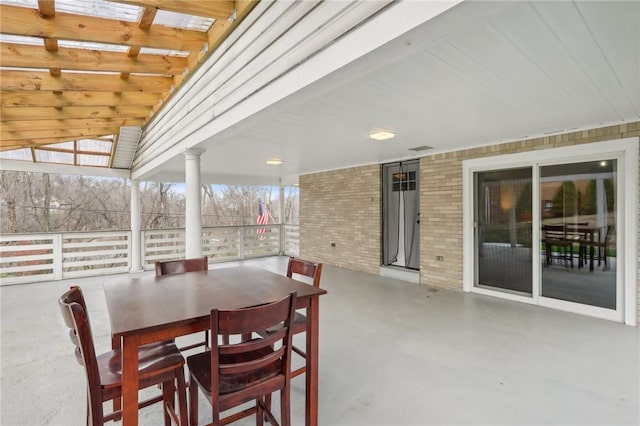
[(126, 147), (481, 73)]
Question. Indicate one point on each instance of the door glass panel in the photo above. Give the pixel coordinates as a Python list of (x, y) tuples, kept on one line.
[(503, 230), (578, 235)]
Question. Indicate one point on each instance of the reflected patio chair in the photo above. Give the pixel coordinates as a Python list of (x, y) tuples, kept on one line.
[(603, 246), (556, 244)]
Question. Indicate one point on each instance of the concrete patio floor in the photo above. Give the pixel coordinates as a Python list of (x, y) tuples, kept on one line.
[(391, 353)]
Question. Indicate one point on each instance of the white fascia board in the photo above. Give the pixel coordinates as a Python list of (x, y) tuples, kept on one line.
[(390, 23), (220, 178), (62, 169)]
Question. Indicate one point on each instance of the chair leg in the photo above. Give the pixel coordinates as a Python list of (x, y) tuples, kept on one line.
[(168, 400), (267, 404), (285, 405), (193, 402), (182, 397), (259, 413)]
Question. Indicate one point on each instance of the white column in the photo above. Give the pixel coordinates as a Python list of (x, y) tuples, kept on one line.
[(136, 265), (193, 214)]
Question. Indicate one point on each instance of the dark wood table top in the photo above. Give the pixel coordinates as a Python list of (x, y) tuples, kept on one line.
[(146, 303)]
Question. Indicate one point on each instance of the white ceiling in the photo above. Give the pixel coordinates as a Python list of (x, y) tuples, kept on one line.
[(507, 71)]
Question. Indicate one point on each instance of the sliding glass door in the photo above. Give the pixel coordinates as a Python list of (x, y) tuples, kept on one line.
[(578, 232), (557, 228), (503, 230), (576, 224)]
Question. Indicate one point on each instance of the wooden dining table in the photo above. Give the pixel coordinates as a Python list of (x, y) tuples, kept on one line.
[(145, 309)]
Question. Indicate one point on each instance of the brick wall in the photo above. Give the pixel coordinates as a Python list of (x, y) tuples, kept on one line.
[(441, 198), (342, 207)]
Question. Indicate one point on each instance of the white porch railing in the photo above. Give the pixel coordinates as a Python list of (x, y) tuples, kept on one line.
[(55, 256)]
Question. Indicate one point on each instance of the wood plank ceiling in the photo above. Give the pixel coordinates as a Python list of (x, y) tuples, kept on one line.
[(68, 76)]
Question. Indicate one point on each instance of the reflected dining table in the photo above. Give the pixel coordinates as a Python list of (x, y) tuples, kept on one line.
[(145, 309)]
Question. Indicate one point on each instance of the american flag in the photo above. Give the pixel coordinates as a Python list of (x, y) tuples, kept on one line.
[(263, 217)]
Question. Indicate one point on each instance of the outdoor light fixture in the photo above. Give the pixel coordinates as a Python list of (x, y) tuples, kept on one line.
[(381, 135), (274, 162)]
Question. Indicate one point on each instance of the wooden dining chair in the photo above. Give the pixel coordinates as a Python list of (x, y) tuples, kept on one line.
[(159, 363), (295, 268), (249, 370), (181, 266)]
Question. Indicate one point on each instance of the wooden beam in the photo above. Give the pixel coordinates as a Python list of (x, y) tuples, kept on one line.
[(47, 8), (70, 123), (144, 22), (37, 80), (6, 136), (7, 146), (53, 148), (29, 56), (41, 113), (43, 98), (219, 9), (28, 22), (147, 17)]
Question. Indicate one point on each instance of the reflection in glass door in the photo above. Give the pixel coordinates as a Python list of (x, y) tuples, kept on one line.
[(503, 230), (578, 232)]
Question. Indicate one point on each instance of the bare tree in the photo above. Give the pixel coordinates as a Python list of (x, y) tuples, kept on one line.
[(36, 202), (9, 184)]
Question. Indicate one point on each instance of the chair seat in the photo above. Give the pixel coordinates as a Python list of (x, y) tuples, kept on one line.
[(153, 359), (200, 368)]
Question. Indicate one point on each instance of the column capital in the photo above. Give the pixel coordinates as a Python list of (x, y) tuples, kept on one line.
[(193, 152)]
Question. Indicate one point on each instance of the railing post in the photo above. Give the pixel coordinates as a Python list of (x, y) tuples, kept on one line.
[(58, 267), (281, 241), (143, 249), (204, 242), (241, 243), (134, 241)]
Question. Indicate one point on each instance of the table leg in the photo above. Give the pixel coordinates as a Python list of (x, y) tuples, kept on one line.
[(130, 380), (311, 400), (116, 343)]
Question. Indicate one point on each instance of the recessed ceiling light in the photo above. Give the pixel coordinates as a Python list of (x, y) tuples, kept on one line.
[(274, 162), (381, 135)]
